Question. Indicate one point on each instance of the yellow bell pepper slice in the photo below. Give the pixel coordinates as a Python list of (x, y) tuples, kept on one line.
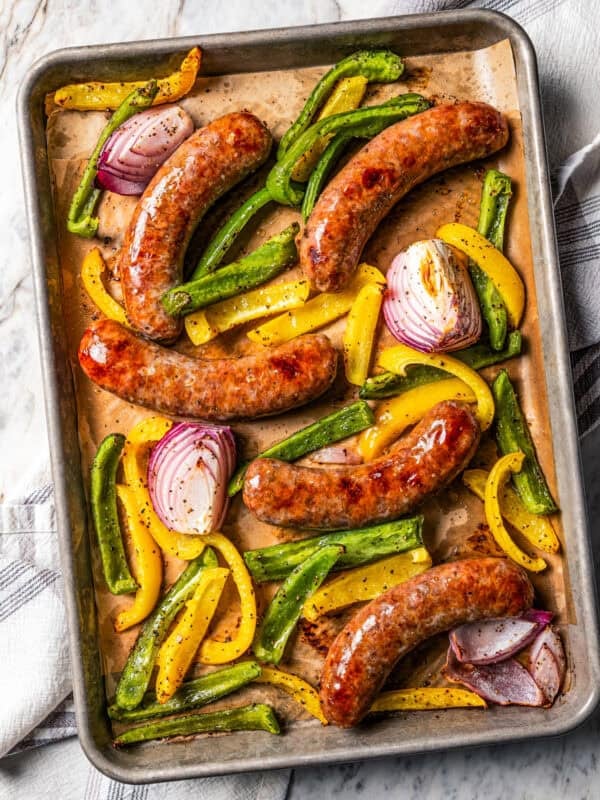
[(427, 699), (365, 583), (179, 648), (347, 95), (321, 310), (147, 567), (182, 545), (204, 325), (92, 270), (396, 359), (496, 266), (98, 96), (297, 688), (496, 480), (360, 332), (394, 416), (536, 528), (211, 650)]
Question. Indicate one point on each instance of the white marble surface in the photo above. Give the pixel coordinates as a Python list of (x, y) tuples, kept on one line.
[(565, 767)]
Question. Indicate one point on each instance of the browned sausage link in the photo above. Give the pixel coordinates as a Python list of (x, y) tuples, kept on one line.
[(382, 632), (270, 382), (202, 169), (425, 460), (378, 176)]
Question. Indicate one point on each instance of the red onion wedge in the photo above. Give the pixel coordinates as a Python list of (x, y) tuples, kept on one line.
[(492, 640), (505, 683), (134, 152), (188, 473), (430, 303), (548, 663), (543, 618), (336, 454)]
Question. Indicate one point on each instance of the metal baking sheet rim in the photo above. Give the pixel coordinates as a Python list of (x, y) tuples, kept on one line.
[(142, 764)]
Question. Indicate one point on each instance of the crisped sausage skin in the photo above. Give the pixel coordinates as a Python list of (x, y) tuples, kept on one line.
[(353, 204), (386, 629), (201, 170), (425, 460), (270, 382)]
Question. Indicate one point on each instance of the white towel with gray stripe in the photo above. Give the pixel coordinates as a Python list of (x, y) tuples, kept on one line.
[(34, 668)]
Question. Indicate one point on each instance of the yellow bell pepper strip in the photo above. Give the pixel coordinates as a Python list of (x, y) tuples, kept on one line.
[(346, 96), (497, 478), (365, 583), (495, 265), (397, 359), (297, 688), (536, 528), (360, 333), (426, 699), (92, 270), (98, 96), (179, 648), (148, 566), (395, 415), (211, 650), (321, 310), (181, 545), (206, 324)]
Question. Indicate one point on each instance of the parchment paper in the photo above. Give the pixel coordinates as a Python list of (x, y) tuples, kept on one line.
[(454, 520)]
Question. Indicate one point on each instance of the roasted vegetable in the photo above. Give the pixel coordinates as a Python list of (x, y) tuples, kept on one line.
[(426, 699), (388, 384), (92, 269), (106, 516), (360, 332), (136, 674), (332, 428), (300, 690), (285, 609), (382, 66), (495, 196), (361, 546), (80, 219), (363, 122), (192, 694), (258, 267), (512, 435), (255, 717)]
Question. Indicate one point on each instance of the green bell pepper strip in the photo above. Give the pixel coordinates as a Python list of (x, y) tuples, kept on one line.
[(258, 267), (79, 217), (361, 546), (495, 196), (136, 674), (255, 717), (285, 609), (323, 169), (223, 239), (387, 384), (381, 66), (512, 434), (332, 428), (103, 497), (193, 694), (364, 122)]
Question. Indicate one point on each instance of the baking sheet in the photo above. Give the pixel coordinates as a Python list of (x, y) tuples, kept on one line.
[(453, 520)]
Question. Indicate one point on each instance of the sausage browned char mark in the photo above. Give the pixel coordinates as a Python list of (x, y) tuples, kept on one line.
[(425, 460), (364, 653), (269, 382), (353, 204), (200, 171)]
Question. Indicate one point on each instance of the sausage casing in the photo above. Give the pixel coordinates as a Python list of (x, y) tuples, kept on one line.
[(201, 170), (269, 382), (366, 650), (425, 460), (353, 204)]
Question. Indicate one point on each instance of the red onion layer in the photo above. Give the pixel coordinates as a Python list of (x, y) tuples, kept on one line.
[(188, 472), (134, 152), (430, 303)]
